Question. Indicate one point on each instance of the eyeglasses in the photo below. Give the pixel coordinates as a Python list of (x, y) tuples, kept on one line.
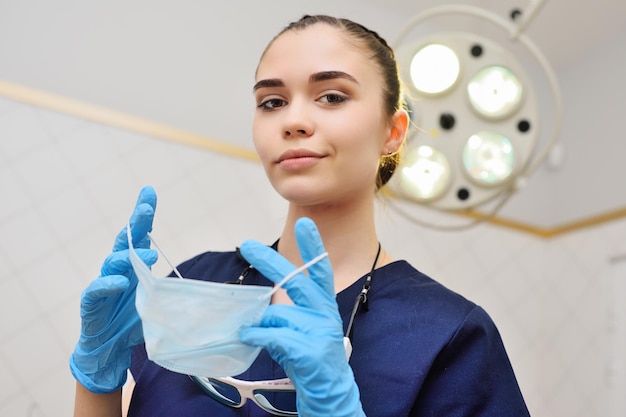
[(277, 396)]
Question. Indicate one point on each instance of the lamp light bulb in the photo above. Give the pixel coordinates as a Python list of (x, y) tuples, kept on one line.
[(495, 92), (434, 69), (488, 158), (426, 173)]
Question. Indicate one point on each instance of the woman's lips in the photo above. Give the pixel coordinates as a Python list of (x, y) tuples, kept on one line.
[(295, 159)]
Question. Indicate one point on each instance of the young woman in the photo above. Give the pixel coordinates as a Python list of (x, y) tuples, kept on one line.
[(328, 127)]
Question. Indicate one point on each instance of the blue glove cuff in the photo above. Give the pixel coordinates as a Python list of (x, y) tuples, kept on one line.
[(89, 383), (98, 370)]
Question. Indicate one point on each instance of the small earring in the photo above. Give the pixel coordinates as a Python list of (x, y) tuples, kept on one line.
[(386, 167)]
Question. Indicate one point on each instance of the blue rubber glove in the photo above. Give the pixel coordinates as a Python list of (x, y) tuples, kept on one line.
[(306, 339), (110, 324)]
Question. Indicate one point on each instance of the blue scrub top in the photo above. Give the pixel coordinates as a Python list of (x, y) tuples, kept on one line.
[(419, 350)]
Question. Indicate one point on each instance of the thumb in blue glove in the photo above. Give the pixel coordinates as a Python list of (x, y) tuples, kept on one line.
[(306, 339), (110, 325)]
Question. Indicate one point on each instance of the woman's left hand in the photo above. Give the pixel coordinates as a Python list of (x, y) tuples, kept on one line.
[(306, 339)]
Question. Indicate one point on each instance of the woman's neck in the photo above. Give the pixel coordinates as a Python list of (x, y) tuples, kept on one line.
[(349, 235)]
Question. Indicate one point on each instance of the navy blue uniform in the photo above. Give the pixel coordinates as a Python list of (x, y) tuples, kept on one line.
[(419, 350)]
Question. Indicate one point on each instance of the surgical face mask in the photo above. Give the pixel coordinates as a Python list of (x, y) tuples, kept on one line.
[(192, 327)]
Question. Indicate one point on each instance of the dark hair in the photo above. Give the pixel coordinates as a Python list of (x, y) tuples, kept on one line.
[(383, 56)]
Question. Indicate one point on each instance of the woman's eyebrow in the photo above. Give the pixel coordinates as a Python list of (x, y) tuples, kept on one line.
[(314, 78), (272, 82), (330, 75)]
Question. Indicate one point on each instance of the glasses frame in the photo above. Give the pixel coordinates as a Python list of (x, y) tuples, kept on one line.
[(246, 390)]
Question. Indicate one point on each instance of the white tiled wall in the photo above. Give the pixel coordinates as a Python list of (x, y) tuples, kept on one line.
[(67, 187)]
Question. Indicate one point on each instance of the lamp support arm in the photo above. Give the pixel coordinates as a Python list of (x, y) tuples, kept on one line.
[(527, 16)]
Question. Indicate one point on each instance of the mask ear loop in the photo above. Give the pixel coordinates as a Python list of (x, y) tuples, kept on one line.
[(293, 274), (164, 257)]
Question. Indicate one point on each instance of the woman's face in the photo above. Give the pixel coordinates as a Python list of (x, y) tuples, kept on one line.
[(319, 126)]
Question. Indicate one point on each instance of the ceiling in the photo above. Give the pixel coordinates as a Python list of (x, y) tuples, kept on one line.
[(564, 30), (189, 65)]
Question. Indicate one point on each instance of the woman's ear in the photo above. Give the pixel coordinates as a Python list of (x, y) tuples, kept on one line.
[(397, 132)]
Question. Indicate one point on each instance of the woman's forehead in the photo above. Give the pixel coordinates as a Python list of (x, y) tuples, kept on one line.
[(317, 47)]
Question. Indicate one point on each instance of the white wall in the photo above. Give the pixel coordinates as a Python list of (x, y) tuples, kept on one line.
[(594, 90), (68, 186)]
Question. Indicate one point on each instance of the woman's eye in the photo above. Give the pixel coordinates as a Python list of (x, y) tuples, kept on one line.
[(271, 104), (333, 98)]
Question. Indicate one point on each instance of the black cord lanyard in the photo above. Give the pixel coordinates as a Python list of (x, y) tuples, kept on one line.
[(362, 297), (244, 273)]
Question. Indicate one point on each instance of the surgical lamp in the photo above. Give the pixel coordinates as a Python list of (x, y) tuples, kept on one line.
[(474, 113)]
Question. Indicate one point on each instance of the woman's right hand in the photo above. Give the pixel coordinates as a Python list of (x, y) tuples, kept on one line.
[(110, 324)]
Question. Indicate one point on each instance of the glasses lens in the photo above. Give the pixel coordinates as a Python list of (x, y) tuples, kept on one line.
[(222, 392), (281, 403)]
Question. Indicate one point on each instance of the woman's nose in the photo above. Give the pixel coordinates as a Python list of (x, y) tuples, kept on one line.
[(297, 122)]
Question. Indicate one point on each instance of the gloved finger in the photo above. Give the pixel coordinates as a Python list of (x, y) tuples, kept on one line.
[(301, 289), (303, 320), (266, 260), (103, 300), (118, 263), (140, 221), (310, 245), (281, 343), (140, 224), (103, 287)]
